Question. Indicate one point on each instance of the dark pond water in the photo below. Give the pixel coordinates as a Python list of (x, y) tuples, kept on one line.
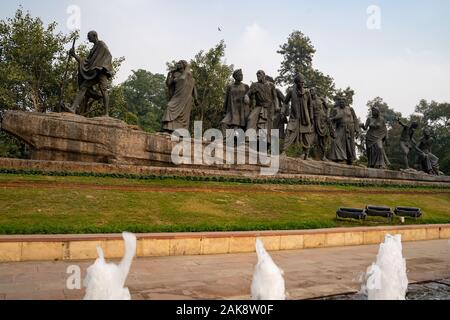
[(435, 290)]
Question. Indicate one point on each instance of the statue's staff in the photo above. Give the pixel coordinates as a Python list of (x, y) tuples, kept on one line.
[(63, 82)]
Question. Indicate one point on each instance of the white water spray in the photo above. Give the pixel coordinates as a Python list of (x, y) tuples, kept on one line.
[(268, 281), (386, 279), (105, 281)]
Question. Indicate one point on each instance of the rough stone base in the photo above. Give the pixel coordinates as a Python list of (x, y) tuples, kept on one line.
[(107, 141)]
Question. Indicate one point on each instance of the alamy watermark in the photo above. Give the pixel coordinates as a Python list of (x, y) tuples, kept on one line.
[(74, 19), (73, 281), (374, 17), (237, 148)]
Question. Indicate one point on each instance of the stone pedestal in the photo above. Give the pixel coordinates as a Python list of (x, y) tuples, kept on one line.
[(68, 137)]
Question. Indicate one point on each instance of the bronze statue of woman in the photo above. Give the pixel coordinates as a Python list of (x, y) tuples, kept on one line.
[(182, 93), (375, 138)]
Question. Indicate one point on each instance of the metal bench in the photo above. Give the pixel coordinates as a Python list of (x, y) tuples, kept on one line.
[(351, 213), (375, 211), (408, 212)]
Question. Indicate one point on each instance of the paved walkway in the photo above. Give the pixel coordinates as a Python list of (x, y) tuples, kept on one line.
[(308, 273)]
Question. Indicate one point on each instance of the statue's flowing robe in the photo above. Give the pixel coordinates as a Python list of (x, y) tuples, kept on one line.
[(98, 61), (320, 117), (263, 97), (321, 123), (280, 119), (300, 128), (375, 137), (236, 110), (181, 96), (343, 147)]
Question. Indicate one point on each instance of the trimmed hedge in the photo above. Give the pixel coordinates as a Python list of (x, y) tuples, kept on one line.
[(303, 181)]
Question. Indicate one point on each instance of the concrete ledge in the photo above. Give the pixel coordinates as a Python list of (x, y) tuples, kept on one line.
[(83, 247)]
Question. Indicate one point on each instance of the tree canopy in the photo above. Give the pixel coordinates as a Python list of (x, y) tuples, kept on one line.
[(298, 53), (212, 75), (31, 63), (146, 97)]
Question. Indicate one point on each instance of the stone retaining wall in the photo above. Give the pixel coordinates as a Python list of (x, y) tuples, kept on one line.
[(101, 168)]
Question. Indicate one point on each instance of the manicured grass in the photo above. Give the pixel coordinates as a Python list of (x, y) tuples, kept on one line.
[(38, 209)]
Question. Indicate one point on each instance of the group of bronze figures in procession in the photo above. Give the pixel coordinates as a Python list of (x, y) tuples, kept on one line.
[(302, 116)]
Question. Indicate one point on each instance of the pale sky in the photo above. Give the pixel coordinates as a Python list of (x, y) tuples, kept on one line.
[(404, 61)]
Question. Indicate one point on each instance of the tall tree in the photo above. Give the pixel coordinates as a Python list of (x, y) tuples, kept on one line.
[(347, 93), (298, 53), (438, 114), (146, 97), (32, 58), (212, 76)]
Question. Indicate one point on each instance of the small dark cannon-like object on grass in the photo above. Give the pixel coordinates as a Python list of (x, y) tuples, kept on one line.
[(408, 212), (375, 211), (351, 213)]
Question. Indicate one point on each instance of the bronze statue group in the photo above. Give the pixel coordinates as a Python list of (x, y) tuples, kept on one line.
[(302, 117)]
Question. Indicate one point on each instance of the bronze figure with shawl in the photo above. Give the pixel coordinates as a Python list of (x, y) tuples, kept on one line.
[(94, 70)]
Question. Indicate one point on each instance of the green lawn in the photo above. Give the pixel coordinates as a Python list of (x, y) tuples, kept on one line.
[(40, 209)]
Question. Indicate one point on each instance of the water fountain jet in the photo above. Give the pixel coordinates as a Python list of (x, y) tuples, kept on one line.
[(386, 279), (105, 281), (268, 282)]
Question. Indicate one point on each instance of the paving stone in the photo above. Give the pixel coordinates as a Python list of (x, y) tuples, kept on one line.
[(6, 278), (309, 273)]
